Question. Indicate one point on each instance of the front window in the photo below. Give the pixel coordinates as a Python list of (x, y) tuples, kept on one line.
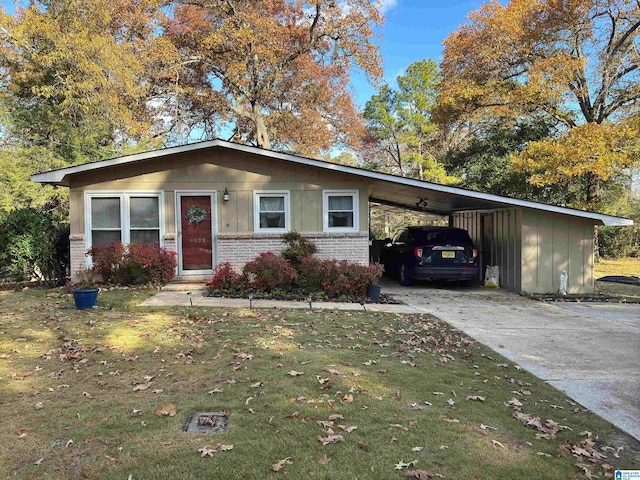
[(126, 218), (271, 212), (144, 214), (106, 221), (340, 210)]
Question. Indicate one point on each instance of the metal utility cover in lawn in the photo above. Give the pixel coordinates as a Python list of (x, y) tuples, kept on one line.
[(206, 422)]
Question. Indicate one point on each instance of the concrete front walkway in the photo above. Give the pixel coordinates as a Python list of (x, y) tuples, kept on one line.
[(589, 351), (172, 295)]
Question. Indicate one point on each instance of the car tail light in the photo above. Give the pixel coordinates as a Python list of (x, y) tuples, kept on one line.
[(475, 253), (417, 252)]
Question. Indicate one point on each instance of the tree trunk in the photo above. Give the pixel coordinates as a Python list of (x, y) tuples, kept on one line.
[(262, 136), (593, 188)]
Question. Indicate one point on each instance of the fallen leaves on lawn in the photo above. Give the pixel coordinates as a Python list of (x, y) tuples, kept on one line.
[(324, 460), (166, 409), (514, 402), (586, 450), (211, 451), (401, 427), (422, 474), (279, 465), (330, 439), (401, 465), (476, 398), (347, 429), (293, 373), (548, 427)]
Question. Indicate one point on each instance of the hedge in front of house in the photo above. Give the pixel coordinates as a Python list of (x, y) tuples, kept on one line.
[(134, 263), (269, 273)]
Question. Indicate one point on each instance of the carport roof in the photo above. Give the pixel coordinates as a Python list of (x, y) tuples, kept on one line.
[(384, 188)]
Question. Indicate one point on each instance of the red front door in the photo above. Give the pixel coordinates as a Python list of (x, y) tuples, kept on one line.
[(196, 238)]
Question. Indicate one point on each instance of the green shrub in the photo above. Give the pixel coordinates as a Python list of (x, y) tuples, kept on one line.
[(297, 248), (618, 242), (33, 245), (133, 263)]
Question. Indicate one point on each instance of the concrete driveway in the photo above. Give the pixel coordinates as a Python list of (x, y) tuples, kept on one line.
[(590, 351)]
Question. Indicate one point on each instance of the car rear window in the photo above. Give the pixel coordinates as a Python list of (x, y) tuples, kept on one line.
[(443, 237)]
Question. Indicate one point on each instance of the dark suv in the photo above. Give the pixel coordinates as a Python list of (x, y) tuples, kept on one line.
[(431, 253)]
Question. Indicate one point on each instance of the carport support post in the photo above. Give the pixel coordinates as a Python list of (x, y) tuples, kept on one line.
[(450, 220)]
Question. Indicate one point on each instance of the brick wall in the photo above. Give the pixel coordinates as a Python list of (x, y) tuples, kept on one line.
[(78, 258), (238, 249)]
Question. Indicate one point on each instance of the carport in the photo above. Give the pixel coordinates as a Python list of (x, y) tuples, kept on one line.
[(531, 242)]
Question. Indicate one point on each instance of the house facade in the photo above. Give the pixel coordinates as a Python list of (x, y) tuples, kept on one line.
[(216, 201)]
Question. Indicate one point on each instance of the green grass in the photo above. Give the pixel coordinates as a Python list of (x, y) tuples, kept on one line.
[(620, 266), (67, 380), (617, 266)]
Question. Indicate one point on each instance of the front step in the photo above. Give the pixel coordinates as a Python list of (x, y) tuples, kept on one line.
[(183, 287), (190, 279), (187, 283)]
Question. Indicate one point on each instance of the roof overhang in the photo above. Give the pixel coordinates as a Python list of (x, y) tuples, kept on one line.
[(384, 188)]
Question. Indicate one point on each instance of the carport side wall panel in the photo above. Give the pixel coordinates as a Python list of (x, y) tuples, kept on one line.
[(552, 243), (506, 241)]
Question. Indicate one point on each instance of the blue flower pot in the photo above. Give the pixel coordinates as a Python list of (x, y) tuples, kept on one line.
[(85, 298)]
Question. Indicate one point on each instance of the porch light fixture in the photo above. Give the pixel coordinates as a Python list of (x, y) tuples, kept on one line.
[(422, 203), (225, 195)]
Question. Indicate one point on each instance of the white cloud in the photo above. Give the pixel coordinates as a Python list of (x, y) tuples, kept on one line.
[(386, 5)]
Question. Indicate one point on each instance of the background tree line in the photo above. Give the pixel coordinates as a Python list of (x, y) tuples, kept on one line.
[(537, 100)]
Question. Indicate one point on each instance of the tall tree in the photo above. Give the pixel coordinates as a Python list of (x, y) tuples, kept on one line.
[(576, 61), (73, 75), (275, 72), (401, 132)]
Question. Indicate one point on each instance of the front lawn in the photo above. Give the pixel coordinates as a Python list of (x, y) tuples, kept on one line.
[(103, 394)]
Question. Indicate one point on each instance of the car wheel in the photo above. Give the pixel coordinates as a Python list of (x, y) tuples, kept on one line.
[(405, 275)]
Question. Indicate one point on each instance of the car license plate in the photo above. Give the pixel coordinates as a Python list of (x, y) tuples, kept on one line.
[(448, 254)]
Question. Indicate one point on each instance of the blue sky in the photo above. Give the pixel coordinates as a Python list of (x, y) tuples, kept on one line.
[(414, 30)]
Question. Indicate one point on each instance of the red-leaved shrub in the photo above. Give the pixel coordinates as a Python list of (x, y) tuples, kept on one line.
[(338, 277), (107, 260), (133, 263), (225, 278), (269, 271)]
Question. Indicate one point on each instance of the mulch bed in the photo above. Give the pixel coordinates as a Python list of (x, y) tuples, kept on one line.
[(295, 296), (593, 298)]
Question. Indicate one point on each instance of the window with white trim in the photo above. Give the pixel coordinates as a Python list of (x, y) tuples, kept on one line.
[(271, 211), (340, 210), (123, 217)]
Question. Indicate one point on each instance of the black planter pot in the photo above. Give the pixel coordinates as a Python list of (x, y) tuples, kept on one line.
[(373, 292)]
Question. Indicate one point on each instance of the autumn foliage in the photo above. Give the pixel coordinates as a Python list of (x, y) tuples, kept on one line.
[(274, 71), (574, 61)]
